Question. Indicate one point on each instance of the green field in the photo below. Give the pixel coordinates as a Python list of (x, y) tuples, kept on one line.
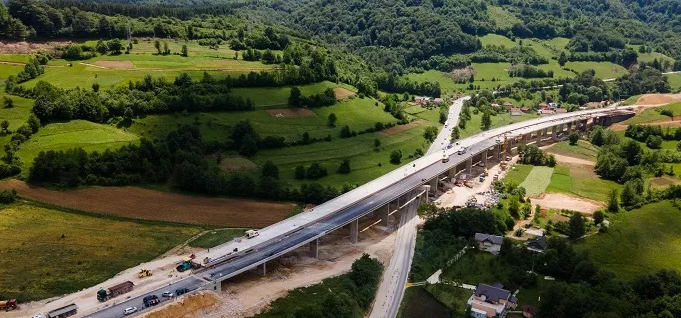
[(16, 116), (649, 57), (62, 252), (358, 114), (652, 114), (269, 97), (639, 242), (216, 237), (418, 302), (473, 126), (675, 81), (76, 133), (446, 83), (495, 39), (359, 150), (537, 180), (604, 70), (581, 181), (582, 150), (518, 173)]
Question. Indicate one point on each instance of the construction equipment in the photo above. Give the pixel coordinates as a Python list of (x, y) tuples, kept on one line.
[(445, 159), (486, 172), (8, 305), (144, 273), (252, 233), (186, 264), (122, 288), (68, 310)]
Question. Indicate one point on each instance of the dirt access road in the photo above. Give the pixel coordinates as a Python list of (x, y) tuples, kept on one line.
[(140, 203)]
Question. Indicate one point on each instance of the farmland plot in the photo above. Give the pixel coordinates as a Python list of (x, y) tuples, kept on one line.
[(537, 181)]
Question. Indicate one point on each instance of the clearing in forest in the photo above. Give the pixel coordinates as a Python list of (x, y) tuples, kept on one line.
[(343, 93)]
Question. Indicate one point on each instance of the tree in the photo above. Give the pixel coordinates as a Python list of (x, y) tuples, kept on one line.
[(332, 120), (344, 167), (4, 125), (599, 216), (377, 143), (613, 201), (574, 137), (157, 45), (166, 50), (396, 157), (486, 120), (443, 117), (95, 87), (101, 47), (455, 133), (577, 226), (514, 207), (294, 97), (562, 59), (184, 51), (115, 46), (8, 102), (300, 173), (33, 123), (315, 171), (430, 133), (270, 170)]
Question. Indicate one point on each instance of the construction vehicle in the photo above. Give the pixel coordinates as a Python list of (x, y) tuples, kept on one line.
[(445, 159), (111, 292), (68, 310), (486, 172), (8, 305), (252, 233), (502, 164), (144, 273), (186, 264)]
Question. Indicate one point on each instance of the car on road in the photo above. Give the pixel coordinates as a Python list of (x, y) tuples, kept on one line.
[(167, 294), (181, 291), (449, 146), (151, 300), (129, 310), (462, 151)]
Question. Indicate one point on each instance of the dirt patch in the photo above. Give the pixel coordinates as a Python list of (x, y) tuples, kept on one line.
[(342, 93), (115, 64), (290, 112), (192, 306), (225, 62), (572, 160), (27, 48), (559, 201), (462, 73), (231, 164), (664, 181), (618, 127), (139, 203), (657, 99), (400, 128)]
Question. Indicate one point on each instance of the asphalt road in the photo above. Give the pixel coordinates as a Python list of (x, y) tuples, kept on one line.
[(118, 304)]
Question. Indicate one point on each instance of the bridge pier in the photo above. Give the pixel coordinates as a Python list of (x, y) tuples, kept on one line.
[(469, 166), (484, 158), (215, 285), (314, 249), (554, 133), (497, 152), (569, 128), (433, 184), (585, 128), (264, 268), (354, 230), (384, 212), (451, 173)]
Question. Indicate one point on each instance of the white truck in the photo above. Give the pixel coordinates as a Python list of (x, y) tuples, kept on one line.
[(252, 233)]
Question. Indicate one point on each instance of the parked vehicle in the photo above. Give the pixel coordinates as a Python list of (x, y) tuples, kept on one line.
[(129, 310), (8, 305), (181, 291), (111, 292), (167, 294), (66, 311), (252, 233)]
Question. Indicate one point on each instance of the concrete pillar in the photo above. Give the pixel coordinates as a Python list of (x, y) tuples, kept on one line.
[(384, 213), (264, 268), (484, 158), (554, 133), (469, 166), (585, 128), (216, 286), (451, 173), (497, 152), (433, 184), (314, 248), (354, 231), (525, 138), (569, 128)]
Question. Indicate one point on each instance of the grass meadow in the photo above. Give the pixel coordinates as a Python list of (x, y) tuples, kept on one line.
[(518, 173), (582, 150), (216, 237), (638, 242), (652, 114), (537, 180), (62, 252), (473, 126), (16, 116), (581, 181)]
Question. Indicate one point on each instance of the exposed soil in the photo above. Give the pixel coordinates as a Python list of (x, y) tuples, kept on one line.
[(231, 164), (400, 128), (560, 201), (140, 203), (115, 64), (290, 112), (342, 93), (664, 181), (27, 48), (192, 306), (572, 160), (618, 127), (462, 73), (657, 99)]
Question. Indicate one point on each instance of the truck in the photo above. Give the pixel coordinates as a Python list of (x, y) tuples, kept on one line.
[(252, 233), (66, 311), (8, 305), (186, 264), (111, 292)]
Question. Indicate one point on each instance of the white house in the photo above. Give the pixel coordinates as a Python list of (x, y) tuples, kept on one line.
[(489, 243)]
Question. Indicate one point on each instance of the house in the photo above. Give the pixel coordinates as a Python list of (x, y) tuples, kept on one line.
[(543, 106), (537, 244), (489, 243), (553, 106), (438, 101), (525, 109), (516, 112), (508, 105), (544, 112), (421, 100), (561, 111), (529, 311), (495, 105), (491, 301)]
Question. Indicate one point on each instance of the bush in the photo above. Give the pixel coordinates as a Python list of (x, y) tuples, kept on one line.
[(8, 196), (344, 167), (396, 157), (574, 137)]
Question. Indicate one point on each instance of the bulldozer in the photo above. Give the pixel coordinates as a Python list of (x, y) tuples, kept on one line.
[(144, 273)]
